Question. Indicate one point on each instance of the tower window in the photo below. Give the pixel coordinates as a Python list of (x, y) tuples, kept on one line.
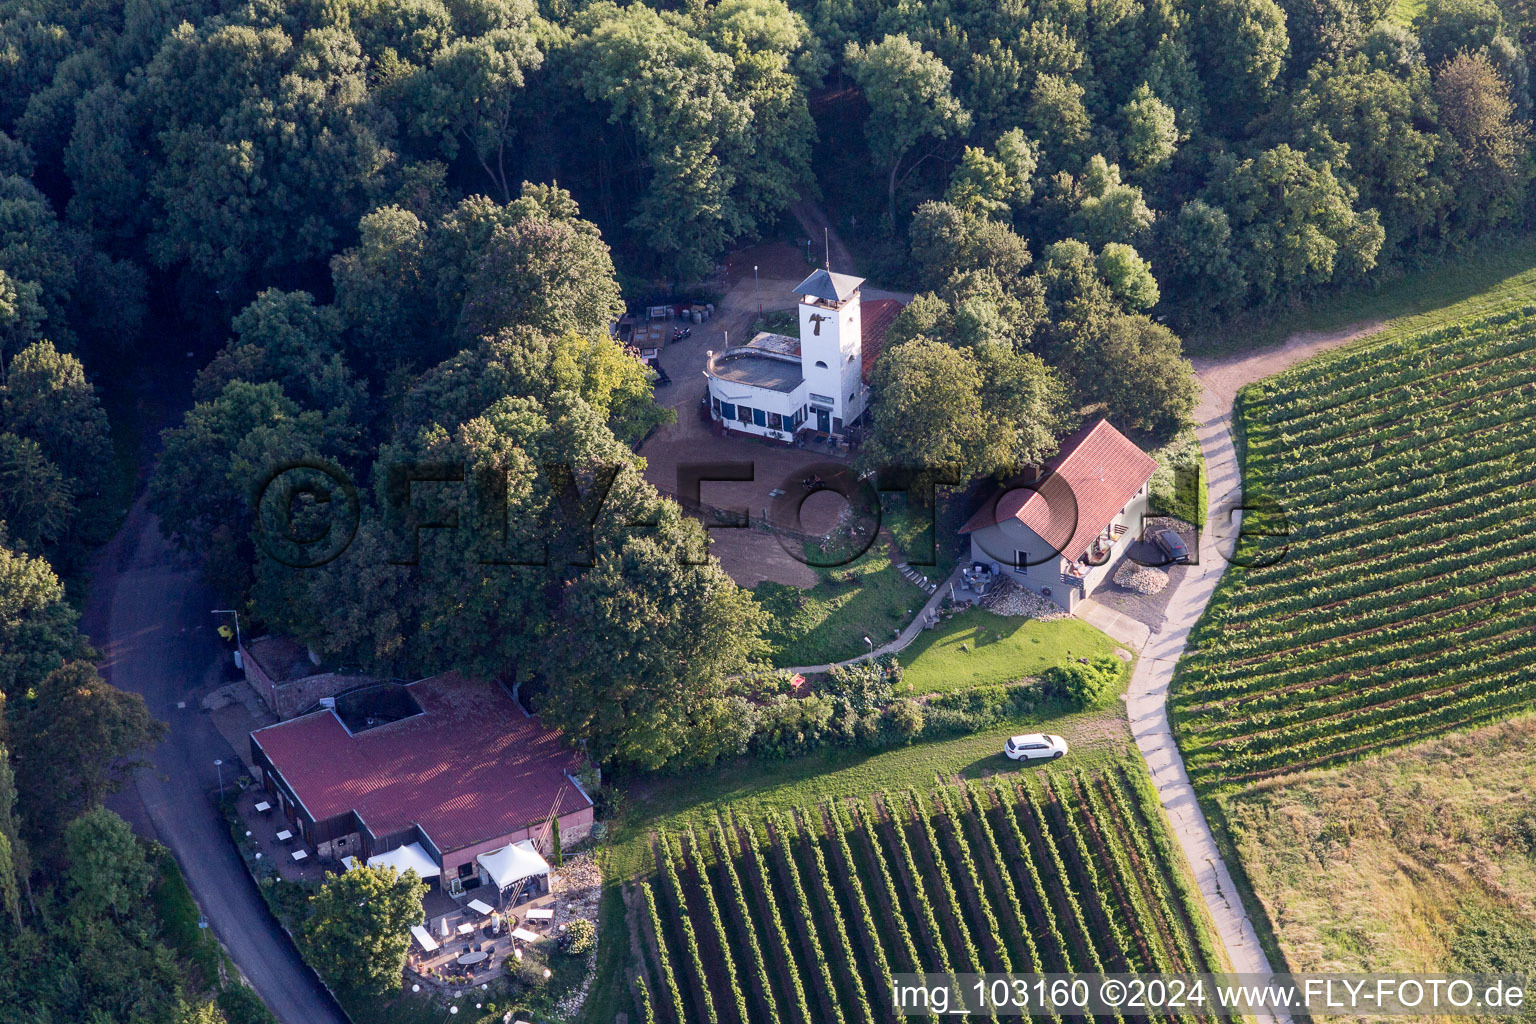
[(820, 365)]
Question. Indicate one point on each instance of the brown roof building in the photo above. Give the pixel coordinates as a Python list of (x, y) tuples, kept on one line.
[(1059, 532), (450, 763)]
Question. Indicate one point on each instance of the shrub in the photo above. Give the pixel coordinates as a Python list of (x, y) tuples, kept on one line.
[(904, 720), (241, 1006), (865, 685), (580, 937), (1091, 683)]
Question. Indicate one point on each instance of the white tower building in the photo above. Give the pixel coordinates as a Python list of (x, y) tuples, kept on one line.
[(775, 386), (831, 347)]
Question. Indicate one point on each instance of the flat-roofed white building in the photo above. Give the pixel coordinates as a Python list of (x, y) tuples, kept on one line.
[(775, 385)]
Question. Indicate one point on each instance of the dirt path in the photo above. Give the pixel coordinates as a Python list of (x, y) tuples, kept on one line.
[(817, 226), (1162, 645)]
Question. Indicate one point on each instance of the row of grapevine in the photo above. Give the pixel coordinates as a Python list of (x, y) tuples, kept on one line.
[(804, 916), (762, 985), (704, 998), (1402, 600), (755, 872), (804, 922), (717, 924)]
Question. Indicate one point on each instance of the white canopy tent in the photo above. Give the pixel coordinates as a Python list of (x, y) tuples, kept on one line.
[(513, 863), (403, 858)]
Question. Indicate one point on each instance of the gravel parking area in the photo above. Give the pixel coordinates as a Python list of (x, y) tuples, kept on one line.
[(1148, 609)]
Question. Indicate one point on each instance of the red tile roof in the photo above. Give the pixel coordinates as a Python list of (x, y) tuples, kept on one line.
[(473, 767), (875, 319), (1084, 486)]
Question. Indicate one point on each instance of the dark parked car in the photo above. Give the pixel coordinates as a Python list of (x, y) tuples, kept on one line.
[(1172, 545)]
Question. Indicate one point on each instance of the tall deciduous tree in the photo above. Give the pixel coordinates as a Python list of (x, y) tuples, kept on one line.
[(1493, 158), (909, 96), (982, 411), (35, 499), (1294, 224), (1240, 48), (359, 928), (37, 625), (648, 646), (75, 740)]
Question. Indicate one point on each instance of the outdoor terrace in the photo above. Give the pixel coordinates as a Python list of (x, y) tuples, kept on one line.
[(756, 366)]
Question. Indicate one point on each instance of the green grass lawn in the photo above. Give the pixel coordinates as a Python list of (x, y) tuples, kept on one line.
[(1188, 504), (977, 648), (1500, 274), (829, 621)]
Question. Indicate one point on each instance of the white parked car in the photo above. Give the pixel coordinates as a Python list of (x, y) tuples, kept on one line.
[(1035, 746)]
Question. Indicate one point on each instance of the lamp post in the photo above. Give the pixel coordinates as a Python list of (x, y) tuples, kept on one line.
[(871, 644), (218, 763), (757, 294)]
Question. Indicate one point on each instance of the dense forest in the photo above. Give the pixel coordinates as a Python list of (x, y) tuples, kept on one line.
[(394, 233)]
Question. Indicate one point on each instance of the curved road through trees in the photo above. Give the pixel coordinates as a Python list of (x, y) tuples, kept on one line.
[(150, 617)]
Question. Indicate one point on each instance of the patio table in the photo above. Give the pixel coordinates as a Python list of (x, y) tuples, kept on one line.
[(541, 915), (469, 959), (478, 907), (263, 807), (525, 935), (299, 855), (284, 836), (466, 928)]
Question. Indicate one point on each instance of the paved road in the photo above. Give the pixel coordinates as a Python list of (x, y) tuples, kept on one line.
[(151, 619), (1147, 698)]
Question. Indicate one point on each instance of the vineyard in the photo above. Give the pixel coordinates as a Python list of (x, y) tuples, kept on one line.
[(802, 918), (1401, 599)]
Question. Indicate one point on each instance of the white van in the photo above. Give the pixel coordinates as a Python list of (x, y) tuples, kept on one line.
[(1035, 746)]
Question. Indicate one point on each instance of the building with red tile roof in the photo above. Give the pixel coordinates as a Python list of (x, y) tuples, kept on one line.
[(1058, 531), (449, 763)]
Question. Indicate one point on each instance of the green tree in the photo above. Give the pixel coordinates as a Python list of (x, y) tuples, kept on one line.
[(532, 364), (1110, 210), (983, 410), (21, 316), (1128, 276), (1056, 114), (359, 928), (286, 339), (466, 91), (47, 398), (1136, 369), (107, 867), (1196, 248), (35, 499), (1447, 27), (546, 269), (1151, 129), (205, 483), (647, 646), (1240, 48), (37, 625), (1294, 224), (1377, 119), (75, 740), (269, 148), (948, 241), (13, 855), (674, 96), (1493, 155), (979, 185), (908, 90)]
